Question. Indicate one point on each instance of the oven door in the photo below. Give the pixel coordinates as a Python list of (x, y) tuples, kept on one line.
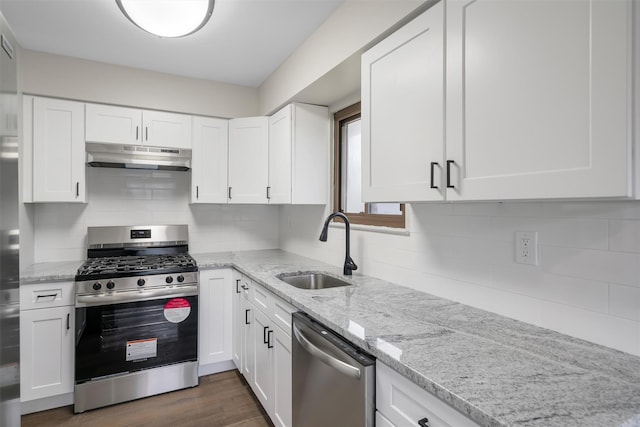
[(126, 337)]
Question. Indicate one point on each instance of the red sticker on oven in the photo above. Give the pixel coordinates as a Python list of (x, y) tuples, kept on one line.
[(177, 310)]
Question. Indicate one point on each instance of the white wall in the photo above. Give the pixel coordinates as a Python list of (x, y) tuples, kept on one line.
[(66, 77), (349, 29), (587, 284), (129, 197)]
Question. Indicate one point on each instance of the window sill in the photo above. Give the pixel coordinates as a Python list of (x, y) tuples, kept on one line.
[(373, 228)]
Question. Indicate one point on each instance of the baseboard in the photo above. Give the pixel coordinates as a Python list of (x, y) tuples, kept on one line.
[(214, 368), (43, 404)]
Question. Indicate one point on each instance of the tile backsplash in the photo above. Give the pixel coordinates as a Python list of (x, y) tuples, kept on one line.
[(587, 283), (126, 197)]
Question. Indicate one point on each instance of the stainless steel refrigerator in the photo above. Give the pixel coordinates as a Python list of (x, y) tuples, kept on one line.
[(9, 234)]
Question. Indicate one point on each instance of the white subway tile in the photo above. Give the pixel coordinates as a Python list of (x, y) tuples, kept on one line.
[(624, 301), (628, 209), (534, 282), (603, 266), (579, 233), (625, 235), (621, 334), (526, 209)]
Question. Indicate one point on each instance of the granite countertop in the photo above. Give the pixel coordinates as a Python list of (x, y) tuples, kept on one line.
[(498, 371)]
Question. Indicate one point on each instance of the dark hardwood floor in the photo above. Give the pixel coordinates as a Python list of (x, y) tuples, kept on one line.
[(220, 400)]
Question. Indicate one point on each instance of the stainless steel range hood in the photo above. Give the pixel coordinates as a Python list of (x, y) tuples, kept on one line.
[(137, 157)]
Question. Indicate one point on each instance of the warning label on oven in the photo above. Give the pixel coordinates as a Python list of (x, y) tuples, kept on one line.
[(177, 310), (142, 349)]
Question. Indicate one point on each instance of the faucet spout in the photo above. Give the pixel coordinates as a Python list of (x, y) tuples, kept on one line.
[(349, 265)]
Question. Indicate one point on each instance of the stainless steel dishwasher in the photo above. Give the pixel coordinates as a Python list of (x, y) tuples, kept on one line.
[(333, 381)]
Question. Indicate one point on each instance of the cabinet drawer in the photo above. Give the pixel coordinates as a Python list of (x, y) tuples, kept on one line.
[(46, 295), (404, 403), (261, 298), (281, 314)]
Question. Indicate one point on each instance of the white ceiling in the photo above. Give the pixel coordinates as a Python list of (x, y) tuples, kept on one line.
[(243, 43)]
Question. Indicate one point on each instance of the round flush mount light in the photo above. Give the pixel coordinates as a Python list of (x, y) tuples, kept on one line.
[(167, 18)]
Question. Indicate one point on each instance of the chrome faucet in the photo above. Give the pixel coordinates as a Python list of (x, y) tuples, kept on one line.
[(349, 265)]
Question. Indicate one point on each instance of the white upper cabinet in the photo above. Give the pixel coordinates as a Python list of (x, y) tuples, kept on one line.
[(299, 155), (403, 113), (537, 103), (209, 160), (130, 126), (113, 125), (248, 160), (538, 98), (166, 129), (54, 131)]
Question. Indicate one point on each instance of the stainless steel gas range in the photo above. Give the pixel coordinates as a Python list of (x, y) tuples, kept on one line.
[(136, 315)]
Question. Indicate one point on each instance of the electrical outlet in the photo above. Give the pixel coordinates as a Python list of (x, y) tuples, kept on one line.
[(526, 247)]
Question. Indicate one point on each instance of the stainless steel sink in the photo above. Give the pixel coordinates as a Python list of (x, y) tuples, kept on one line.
[(312, 280)]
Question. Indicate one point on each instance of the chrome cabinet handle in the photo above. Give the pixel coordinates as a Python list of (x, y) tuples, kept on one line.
[(246, 317), (46, 296), (137, 128), (264, 335), (449, 185), (68, 321), (237, 283), (424, 422), (269, 345), (338, 365), (433, 165), (77, 189), (197, 192), (268, 193), (146, 133), (229, 192)]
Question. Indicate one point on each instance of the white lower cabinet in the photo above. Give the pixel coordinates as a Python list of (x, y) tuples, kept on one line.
[(46, 340), (265, 348), (401, 403), (215, 319), (237, 326)]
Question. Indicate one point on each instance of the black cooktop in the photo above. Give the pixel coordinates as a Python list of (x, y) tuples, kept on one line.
[(135, 265)]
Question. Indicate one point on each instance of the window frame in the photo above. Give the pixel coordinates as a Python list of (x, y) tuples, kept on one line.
[(349, 114)]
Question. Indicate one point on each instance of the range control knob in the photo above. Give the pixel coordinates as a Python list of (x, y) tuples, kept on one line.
[(141, 282), (169, 279), (181, 278), (111, 284), (97, 286)]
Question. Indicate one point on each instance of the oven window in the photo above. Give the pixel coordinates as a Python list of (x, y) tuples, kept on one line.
[(128, 337)]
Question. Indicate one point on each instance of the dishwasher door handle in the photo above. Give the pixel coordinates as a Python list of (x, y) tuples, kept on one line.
[(339, 365)]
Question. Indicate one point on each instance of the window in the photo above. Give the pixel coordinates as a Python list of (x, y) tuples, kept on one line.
[(348, 176)]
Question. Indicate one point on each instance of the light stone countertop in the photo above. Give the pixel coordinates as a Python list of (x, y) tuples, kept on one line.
[(498, 371)]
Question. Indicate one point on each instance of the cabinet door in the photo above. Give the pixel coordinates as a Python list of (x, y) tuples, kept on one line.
[(248, 345), (248, 160), (113, 125), (166, 129), (263, 374), (403, 113), (238, 320), (46, 352), (214, 328), (280, 156), (58, 151), (538, 98), (209, 160), (281, 341)]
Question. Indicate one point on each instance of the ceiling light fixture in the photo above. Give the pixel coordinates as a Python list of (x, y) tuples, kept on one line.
[(168, 18)]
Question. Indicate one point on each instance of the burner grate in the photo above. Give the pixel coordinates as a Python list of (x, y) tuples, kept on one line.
[(122, 265)]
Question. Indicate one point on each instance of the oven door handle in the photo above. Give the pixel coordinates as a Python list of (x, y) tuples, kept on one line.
[(133, 296), (316, 352)]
